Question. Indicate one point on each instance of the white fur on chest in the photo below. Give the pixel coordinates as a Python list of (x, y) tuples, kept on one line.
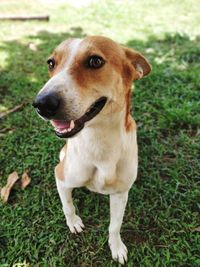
[(102, 159)]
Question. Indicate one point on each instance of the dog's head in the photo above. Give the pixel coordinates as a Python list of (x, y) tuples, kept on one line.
[(89, 77)]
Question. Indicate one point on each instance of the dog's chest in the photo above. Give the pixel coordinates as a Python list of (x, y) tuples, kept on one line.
[(103, 161), (93, 164)]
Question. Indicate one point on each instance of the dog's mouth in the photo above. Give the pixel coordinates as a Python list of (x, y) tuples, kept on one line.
[(67, 129)]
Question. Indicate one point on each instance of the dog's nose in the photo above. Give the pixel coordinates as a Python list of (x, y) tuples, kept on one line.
[(47, 104)]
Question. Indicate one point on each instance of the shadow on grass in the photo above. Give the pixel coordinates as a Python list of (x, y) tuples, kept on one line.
[(26, 68), (165, 106)]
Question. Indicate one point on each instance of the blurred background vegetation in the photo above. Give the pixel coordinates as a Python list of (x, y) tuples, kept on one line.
[(162, 217)]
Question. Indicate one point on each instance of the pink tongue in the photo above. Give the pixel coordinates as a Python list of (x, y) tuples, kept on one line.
[(61, 125)]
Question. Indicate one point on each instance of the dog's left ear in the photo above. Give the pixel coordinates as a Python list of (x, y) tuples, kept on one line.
[(139, 63)]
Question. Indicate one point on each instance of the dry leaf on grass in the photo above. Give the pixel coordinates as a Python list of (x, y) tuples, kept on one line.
[(32, 47), (197, 229), (25, 181), (5, 191)]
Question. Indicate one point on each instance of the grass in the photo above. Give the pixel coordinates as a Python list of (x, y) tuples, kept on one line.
[(163, 207)]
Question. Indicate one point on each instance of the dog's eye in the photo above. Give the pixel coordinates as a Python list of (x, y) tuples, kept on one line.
[(95, 62), (51, 63)]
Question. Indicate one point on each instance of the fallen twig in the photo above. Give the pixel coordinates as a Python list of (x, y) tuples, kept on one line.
[(23, 18), (5, 113)]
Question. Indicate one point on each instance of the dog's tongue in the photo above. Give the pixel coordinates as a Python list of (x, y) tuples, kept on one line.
[(61, 125)]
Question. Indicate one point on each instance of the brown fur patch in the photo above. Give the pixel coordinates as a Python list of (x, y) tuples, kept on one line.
[(130, 124), (128, 108), (87, 78), (59, 169)]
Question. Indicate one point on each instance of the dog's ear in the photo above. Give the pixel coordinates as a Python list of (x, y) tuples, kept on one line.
[(140, 64)]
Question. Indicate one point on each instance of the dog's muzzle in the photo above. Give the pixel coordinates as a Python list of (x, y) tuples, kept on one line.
[(67, 129), (47, 106)]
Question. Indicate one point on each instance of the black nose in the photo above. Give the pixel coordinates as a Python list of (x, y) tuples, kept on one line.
[(47, 104)]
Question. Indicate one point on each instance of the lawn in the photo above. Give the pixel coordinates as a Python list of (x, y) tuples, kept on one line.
[(162, 215)]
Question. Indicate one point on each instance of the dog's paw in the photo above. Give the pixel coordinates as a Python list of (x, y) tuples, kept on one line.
[(75, 224), (118, 250)]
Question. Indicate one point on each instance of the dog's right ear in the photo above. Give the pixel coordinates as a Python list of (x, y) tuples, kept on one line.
[(140, 64)]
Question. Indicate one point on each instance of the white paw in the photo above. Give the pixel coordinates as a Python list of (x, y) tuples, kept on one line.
[(119, 251), (75, 224)]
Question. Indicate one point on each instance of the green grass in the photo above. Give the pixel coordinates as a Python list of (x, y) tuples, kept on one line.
[(163, 207)]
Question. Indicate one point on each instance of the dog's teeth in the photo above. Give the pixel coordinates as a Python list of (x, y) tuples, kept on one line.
[(71, 125), (61, 131)]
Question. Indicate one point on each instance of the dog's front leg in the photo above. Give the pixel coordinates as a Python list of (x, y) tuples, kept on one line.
[(73, 221), (117, 208)]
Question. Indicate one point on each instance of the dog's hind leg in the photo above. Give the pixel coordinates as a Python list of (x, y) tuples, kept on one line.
[(117, 208)]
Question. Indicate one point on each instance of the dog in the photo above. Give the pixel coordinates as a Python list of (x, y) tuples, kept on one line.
[(87, 100)]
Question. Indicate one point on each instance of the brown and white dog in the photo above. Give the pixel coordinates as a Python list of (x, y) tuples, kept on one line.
[(88, 98)]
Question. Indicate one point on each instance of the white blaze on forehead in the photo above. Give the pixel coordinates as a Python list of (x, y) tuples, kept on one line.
[(63, 83), (73, 47), (61, 79)]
